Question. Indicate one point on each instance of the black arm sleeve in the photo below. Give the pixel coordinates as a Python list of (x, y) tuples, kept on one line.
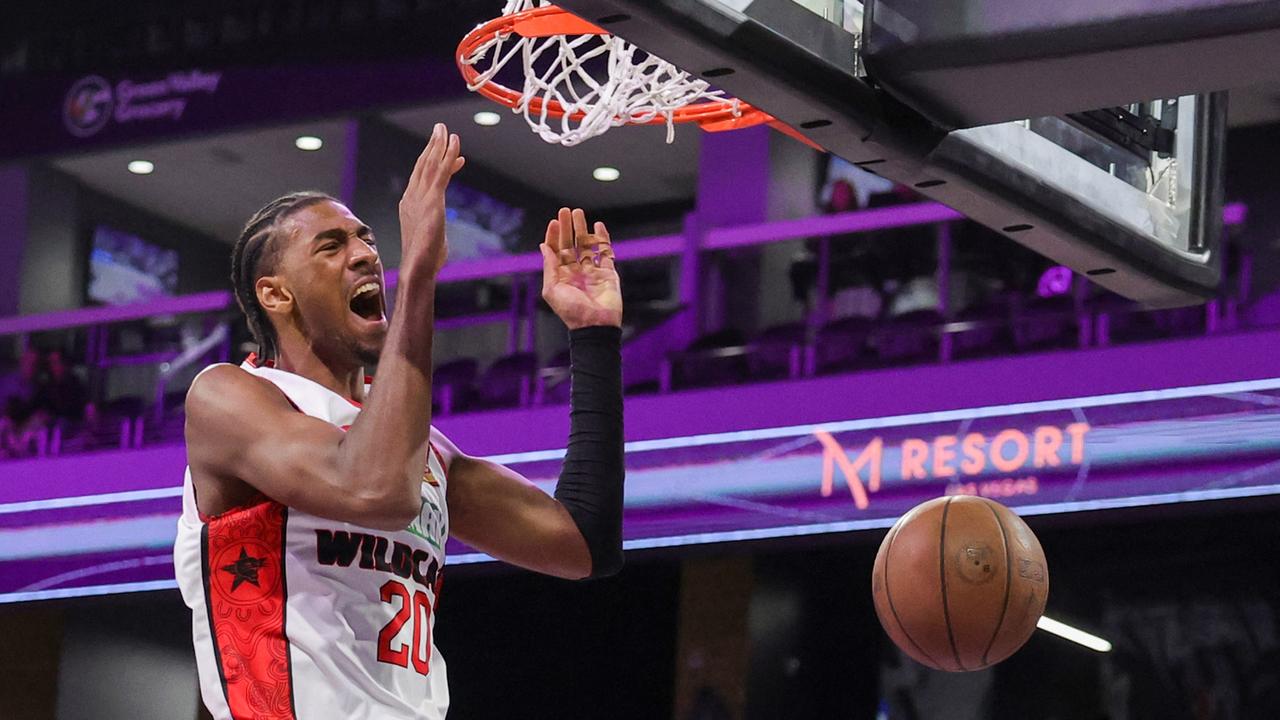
[(590, 485)]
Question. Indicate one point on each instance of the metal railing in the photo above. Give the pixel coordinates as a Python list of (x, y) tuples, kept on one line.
[(523, 270)]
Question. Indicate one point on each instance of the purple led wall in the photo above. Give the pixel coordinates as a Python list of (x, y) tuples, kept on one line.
[(95, 521)]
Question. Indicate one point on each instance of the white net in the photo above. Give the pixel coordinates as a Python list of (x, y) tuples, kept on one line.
[(601, 81)]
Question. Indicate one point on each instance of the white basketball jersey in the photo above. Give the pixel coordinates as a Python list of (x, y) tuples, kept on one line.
[(296, 617)]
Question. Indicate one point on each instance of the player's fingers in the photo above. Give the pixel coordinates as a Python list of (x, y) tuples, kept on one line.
[(426, 160), (436, 149), (452, 151), (581, 238), (601, 240), (457, 165), (552, 238), (416, 175), (603, 247), (565, 245), (587, 257), (549, 265)]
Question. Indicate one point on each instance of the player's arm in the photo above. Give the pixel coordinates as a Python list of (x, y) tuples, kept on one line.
[(577, 533), (497, 511), (244, 436)]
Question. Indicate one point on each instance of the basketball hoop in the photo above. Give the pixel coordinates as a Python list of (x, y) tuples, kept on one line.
[(564, 103)]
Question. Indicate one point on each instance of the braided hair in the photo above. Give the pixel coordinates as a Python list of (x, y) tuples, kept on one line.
[(255, 255)]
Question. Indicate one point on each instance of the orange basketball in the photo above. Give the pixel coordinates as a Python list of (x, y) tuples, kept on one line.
[(959, 583)]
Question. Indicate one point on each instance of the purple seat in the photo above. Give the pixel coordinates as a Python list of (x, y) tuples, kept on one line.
[(981, 331), (909, 338), (1044, 324), (1182, 322), (170, 429), (717, 358), (553, 380), (1131, 323), (508, 382), (842, 344), (778, 352), (118, 423), (453, 385)]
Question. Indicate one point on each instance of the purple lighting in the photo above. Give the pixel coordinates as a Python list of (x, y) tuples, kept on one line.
[(1126, 449), (1055, 281), (1235, 214)]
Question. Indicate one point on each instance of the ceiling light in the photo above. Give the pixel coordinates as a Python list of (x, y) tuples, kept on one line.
[(308, 143), (606, 174), (487, 118), (141, 167), (1075, 635)]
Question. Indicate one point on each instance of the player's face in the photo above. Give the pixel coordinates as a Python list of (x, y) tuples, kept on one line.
[(332, 267)]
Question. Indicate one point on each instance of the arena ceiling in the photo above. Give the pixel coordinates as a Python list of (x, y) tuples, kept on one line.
[(212, 183)]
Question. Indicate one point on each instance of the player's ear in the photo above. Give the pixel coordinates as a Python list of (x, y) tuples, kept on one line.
[(273, 294)]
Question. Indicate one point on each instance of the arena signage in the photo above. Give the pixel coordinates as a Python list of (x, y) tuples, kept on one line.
[(59, 538), (947, 457), (53, 115), (93, 102)]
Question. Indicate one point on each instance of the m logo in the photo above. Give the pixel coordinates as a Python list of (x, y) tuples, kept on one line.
[(833, 455)]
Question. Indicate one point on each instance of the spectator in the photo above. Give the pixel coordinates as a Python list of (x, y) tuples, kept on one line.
[(855, 285), (803, 273), (21, 426), (60, 395), (18, 387), (96, 430)]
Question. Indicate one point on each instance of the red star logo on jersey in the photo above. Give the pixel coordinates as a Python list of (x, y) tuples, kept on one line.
[(244, 569)]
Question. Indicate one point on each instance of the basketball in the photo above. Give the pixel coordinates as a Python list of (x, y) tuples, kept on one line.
[(959, 583)]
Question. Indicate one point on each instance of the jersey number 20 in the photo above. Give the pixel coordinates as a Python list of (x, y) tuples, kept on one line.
[(415, 608)]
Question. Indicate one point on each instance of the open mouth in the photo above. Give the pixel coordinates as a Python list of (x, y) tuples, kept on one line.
[(367, 301)]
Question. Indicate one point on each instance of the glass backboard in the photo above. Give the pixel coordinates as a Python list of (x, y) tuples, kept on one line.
[(1127, 194)]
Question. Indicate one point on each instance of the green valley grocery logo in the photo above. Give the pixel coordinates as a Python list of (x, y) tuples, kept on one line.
[(87, 108), (93, 102)]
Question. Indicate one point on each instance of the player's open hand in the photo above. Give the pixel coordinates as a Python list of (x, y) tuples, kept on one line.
[(579, 280), (423, 204)]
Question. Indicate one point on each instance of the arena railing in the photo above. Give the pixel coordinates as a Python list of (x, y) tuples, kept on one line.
[(523, 269)]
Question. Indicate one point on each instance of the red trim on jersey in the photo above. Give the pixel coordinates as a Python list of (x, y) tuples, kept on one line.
[(439, 456), (255, 361), (244, 581), (257, 499)]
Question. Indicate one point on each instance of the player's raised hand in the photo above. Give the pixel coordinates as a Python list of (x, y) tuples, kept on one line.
[(579, 280), (422, 206)]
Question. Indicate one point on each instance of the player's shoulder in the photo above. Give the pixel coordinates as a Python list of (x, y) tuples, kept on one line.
[(227, 386)]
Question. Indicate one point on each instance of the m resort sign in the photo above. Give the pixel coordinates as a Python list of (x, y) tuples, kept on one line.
[(1012, 455)]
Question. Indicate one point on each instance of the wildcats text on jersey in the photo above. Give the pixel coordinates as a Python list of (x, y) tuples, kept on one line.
[(340, 548)]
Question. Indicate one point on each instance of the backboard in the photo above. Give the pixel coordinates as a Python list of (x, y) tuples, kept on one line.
[(1128, 194)]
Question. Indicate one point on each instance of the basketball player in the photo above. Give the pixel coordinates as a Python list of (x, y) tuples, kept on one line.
[(316, 505)]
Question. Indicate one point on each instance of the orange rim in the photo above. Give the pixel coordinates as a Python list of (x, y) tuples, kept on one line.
[(551, 20)]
